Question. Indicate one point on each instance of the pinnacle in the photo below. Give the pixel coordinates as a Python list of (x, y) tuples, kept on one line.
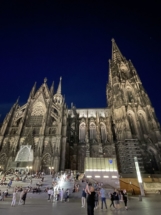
[(59, 87), (116, 54), (45, 80)]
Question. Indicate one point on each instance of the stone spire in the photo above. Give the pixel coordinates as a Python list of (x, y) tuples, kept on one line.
[(33, 90), (59, 87), (116, 54), (52, 89)]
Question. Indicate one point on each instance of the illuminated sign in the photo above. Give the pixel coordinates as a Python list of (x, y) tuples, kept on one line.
[(110, 161)]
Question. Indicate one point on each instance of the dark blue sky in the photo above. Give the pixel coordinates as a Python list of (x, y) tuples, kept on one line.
[(73, 40)]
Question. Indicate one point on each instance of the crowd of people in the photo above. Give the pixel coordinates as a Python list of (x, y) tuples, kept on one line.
[(93, 194)]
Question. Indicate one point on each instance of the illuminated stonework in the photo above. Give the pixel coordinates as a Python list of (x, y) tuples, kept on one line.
[(51, 135)]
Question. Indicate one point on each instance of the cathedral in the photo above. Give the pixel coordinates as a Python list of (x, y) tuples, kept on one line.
[(44, 134)]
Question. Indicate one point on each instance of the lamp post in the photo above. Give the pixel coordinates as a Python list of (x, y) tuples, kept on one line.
[(139, 176), (30, 169), (50, 170)]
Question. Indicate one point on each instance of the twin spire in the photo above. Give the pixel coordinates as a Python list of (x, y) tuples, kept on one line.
[(59, 87), (116, 54)]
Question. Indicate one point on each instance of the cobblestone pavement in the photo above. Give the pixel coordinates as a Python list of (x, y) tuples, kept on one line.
[(34, 205)]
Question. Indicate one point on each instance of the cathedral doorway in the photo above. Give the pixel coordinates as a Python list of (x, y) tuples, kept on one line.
[(46, 163)]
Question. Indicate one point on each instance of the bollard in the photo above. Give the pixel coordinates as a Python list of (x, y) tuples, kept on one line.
[(140, 198)]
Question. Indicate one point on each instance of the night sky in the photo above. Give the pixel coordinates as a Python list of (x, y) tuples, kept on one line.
[(73, 40)]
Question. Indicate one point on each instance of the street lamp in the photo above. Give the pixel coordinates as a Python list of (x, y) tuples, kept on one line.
[(51, 168), (30, 169), (139, 176)]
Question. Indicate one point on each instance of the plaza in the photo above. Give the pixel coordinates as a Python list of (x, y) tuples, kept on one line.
[(38, 204)]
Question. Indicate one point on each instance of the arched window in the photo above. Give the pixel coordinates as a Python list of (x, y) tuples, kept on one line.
[(103, 133), (82, 132), (142, 123), (92, 131), (130, 96), (132, 124), (25, 154)]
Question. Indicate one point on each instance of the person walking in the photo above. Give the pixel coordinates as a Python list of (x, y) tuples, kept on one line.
[(96, 199), (103, 197), (67, 195), (49, 194), (13, 199), (90, 200), (116, 199), (124, 194), (112, 200), (83, 198)]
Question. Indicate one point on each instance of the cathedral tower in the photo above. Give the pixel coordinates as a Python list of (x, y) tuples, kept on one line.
[(135, 126)]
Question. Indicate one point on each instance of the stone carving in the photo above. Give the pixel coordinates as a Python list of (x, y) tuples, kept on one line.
[(38, 109)]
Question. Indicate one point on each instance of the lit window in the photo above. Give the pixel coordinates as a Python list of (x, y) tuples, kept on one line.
[(114, 176)]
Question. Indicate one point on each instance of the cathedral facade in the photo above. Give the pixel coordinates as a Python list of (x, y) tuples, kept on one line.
[(44, 134)]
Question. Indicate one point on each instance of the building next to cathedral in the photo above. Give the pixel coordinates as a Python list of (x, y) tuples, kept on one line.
[(44, 134)]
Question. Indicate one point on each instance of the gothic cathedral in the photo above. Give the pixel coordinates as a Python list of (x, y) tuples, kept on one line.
[(44, 134)]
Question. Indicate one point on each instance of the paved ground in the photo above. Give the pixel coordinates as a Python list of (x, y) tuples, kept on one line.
[(35, 205), (38, 204)]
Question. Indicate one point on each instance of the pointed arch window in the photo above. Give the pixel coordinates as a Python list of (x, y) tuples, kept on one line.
[(132, 124), (82, 132), (130, 96), (103, 132), (143, 123), (92, 131)]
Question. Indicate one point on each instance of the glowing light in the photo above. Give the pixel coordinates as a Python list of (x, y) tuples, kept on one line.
[(114, 176), (138, 170), (106, 176), (97, 176), (89, 176)]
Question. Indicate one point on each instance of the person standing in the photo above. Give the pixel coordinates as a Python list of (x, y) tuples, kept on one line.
[(96, 199), (103, 197), (13, 199), (24, 197), (49, 194), (90, 200), (124, 194), (3, 195), (20, 200), (83, 198), (61, 194)]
